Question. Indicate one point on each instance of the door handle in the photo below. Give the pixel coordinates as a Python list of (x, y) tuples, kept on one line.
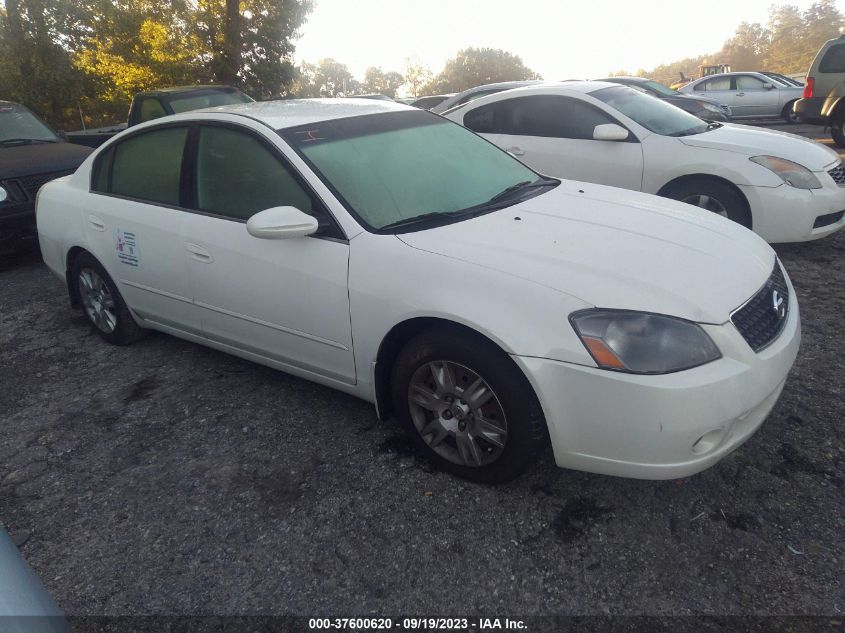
[(199, 253), (516, 151), (740, 94), (96, 223)]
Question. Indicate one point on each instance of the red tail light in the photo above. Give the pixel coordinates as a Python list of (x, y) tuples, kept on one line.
[(808, 87)]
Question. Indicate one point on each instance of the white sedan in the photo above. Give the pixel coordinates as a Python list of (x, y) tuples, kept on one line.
[(783, 187), (389, 253)]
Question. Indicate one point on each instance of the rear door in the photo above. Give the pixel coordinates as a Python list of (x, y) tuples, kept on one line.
[(719, 88), (134, 220)]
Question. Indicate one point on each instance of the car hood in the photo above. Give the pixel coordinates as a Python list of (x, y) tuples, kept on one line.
[(752, 141), (696, 98), (614, 248), (42, 158)]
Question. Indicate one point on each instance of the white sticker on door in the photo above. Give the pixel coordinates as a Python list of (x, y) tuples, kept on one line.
[(127, 248)]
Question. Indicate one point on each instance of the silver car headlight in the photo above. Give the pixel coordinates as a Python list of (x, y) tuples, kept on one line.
[(641, 342), (791, 173), (4, 195)]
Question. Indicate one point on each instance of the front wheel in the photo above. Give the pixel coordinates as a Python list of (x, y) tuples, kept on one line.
[(837, 130), (101, 301), (467, 406), (712, 195)]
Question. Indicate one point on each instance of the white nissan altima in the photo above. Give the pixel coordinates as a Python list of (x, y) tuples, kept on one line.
[(784, 187), (392, 254)]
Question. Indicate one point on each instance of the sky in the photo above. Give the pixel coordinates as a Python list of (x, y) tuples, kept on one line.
[(560, 39)]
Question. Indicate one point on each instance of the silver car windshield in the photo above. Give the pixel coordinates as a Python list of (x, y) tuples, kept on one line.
[(394, 167), (653, 114)]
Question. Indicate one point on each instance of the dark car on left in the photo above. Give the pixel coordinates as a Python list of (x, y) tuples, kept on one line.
[(702, 107), (31, 154)]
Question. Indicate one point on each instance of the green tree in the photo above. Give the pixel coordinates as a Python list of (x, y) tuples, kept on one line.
[(477, 66), (417, 76), (326, 78), (34, 67), (747, 48), (377, 81)]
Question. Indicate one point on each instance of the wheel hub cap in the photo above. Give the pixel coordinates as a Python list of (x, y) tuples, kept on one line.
[(457, 413)]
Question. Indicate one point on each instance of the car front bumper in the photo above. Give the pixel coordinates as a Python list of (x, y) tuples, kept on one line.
[(663, 426), (786, 214), (17, 226)]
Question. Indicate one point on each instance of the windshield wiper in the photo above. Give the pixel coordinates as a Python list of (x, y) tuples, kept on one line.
[(24, 141), (521, 186), (499, 201)]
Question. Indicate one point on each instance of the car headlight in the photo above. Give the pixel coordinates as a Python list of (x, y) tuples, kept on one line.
[(641, 342), (4, 195), (713, 108), (791, 173)]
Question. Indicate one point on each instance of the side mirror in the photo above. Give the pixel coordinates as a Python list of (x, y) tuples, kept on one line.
[(281, 223), (767, 86), (609, 132), (62, 135)]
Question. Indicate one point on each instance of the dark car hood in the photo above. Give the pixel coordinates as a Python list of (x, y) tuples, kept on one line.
[(18, 161), (683, 97)]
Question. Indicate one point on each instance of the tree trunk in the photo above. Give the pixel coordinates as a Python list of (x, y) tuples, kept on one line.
[(230, 55)]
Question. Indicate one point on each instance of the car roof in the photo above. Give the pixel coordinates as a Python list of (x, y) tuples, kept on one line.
[(180, 89), (634, 79), (294, 112)]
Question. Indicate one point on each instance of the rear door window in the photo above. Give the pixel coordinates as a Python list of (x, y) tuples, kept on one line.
[(712, 85), (147, 166), (833, 60)]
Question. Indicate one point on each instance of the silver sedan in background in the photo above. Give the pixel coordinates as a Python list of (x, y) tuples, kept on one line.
[(750, 95)]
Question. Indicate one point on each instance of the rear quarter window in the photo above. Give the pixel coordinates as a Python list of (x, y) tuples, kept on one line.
[(833, 60)]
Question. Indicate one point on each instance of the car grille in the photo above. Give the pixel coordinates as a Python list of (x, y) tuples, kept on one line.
[(27, 187), (838, 174), (758, 320)]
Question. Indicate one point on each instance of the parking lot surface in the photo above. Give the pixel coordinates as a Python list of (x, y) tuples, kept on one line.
[(167, 478)]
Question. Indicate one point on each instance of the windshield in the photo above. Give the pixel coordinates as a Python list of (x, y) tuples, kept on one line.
[(661, 89), (395, 166), (653, 114), (19, 125), (208, 99)]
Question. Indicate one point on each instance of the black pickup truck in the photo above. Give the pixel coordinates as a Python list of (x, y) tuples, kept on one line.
[(31, 154), (155, 104)]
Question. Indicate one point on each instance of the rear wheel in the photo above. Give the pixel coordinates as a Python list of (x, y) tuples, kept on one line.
[(467, 406), (712, 195), (101, 302), (837, 129), (788, 113)]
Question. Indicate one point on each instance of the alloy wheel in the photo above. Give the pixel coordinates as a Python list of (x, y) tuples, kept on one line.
[(457, 413), (97, 300)]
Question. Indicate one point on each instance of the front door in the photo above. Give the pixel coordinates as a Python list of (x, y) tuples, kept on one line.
[(286, 300)]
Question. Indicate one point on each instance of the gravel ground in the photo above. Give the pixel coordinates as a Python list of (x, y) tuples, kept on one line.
[(167, 478)]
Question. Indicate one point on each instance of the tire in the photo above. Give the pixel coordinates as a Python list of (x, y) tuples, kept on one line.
[(102, 303), (713, 195), (788, 113), (490, 431), (837, 129)]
